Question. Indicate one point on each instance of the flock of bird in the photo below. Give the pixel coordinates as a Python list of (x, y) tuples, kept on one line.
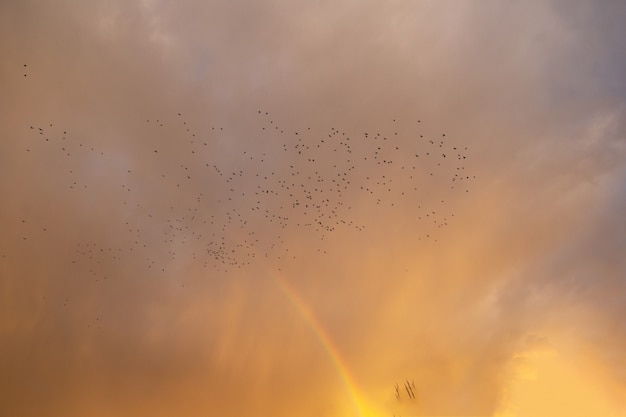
[(243, 204), (221, 199)]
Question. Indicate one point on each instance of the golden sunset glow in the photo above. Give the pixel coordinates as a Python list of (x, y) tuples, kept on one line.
[(547, 384), (295, 208)]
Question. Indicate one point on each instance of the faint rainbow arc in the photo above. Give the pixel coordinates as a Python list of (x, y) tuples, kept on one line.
[(305, 312)]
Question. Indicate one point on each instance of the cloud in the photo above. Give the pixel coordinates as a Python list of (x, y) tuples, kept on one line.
[(146, 131)]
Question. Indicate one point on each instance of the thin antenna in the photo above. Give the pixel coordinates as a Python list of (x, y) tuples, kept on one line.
[(409, 389)]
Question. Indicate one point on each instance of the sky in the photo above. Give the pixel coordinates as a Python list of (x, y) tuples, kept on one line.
[(312, 208)]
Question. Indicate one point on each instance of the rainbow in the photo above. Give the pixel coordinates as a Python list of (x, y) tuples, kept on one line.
[(307, 314)]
